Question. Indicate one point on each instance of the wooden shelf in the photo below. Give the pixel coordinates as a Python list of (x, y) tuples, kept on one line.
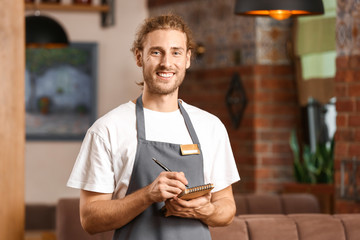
[(67, 7)]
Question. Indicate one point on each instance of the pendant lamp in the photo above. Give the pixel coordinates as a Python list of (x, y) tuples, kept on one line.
[(43, 31), (279, 9)]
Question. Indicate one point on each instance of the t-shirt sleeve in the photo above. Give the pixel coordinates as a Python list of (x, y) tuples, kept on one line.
[(223, 171), (93, 170)]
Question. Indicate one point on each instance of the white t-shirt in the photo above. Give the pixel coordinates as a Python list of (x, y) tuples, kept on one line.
[(107, 154)]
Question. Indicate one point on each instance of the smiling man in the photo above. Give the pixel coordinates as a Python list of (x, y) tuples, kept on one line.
[(122, 189)]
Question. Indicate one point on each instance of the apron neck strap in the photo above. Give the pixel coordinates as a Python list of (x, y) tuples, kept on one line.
[(140, 121)]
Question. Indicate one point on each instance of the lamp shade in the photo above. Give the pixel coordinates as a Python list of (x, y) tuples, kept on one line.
[(42, 31), (279, 9)]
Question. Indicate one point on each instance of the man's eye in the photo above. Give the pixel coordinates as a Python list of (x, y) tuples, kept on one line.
[(177, 53), (155, 52)]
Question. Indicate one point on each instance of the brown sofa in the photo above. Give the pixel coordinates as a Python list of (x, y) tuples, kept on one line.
[(286, 216), (292, 226)]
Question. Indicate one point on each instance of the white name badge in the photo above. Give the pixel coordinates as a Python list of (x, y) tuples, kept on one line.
[(189, 149)]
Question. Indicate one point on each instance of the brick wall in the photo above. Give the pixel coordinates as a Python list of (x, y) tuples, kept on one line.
[(347, 88), (347, 91), (261, 142)]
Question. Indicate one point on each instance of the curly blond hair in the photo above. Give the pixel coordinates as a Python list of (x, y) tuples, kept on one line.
[(167, 21)]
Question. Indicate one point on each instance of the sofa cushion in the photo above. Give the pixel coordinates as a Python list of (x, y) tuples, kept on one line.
[(276, 203), (272, 227), (299, 203), (235, 231), (318, 227), (351, 224), (263, 204)]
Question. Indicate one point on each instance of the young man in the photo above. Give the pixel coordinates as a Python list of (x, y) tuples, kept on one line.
[(122, 188)]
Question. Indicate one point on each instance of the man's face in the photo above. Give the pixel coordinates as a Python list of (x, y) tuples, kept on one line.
[(164, 60)]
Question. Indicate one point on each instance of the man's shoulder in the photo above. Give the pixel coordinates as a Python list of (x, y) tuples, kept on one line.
[(117, 117)]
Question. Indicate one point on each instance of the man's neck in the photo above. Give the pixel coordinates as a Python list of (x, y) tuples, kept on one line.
[(160, 103)]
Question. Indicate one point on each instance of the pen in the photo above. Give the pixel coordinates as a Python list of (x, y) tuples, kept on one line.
[(163, 167)]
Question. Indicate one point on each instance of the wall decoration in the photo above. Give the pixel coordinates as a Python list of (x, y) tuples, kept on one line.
[(60, 91), (349, 173), (236, 100)]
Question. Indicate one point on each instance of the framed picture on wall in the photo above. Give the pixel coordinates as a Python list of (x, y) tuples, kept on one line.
[(60, 91)]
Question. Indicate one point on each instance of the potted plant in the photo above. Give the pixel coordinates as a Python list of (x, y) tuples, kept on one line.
[(314, 167), (314, 172)]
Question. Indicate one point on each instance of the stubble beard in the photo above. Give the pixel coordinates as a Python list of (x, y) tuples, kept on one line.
[(155, 86)]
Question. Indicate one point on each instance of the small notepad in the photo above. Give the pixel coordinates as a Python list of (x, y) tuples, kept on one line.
[(194, 192)]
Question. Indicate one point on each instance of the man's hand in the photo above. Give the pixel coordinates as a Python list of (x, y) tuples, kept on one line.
[(167, 186), (198, 208), (217, 209)]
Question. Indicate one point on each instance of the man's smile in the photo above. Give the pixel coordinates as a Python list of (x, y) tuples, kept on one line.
[(165, 74)]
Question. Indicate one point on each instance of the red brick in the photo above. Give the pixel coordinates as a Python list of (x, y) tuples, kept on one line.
[(341, 90), (337, 177), (277, 161), (354, 149), (354, 121), (262, 70), (358, 105), (337, 163), (342, 62), (354, 90), (287, 123), (274, 136), (277, 83), (346, 135), (246, 160), (261, 122), (286, 96), (357, 135), (263, 173), (261, 147), (341, 149), (346, 76), (345, 105), (248, 135), (244, 153), (277, 109), (281, 148), (341, 120), (247, 122), (263, 96), (354, 62), (276, 97), (340, 76), (349, 76)]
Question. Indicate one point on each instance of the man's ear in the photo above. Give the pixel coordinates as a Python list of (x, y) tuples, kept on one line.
[(138, 56), (188, 59)]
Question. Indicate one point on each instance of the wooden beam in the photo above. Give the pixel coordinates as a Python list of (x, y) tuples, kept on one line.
[(12, 119), (67, 7)]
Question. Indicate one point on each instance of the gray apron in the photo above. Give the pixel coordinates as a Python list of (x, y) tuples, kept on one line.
[(151, 224)]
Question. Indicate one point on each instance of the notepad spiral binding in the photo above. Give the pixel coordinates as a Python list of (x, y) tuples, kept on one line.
[(196, 191), (199, 188)]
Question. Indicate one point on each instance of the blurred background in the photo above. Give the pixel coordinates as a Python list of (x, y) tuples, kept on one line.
[(286, 90)]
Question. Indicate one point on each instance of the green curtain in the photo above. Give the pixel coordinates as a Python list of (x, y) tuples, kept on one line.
[(316, 43)]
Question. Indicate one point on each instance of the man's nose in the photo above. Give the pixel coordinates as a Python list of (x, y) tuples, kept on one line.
[(166, 60)]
